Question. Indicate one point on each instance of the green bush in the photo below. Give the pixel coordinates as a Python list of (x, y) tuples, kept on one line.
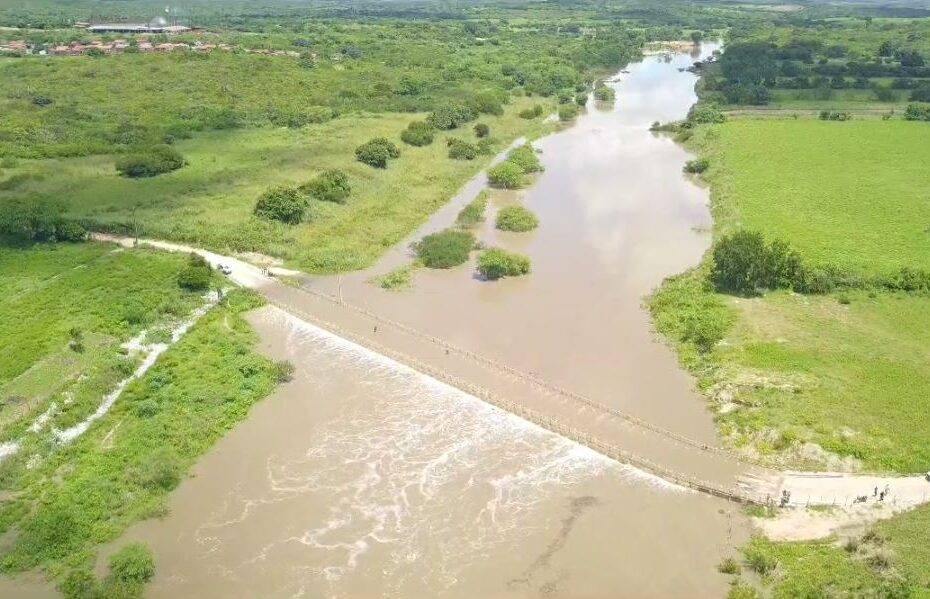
[(282, 203), (684, 309), (517, 219), (445, 249), (461, 150), (473, 213), (70, 231), (196, 274), (417, 133), (482, 130), (496, 263), (284, 371), (729, 566), (833, 115), (526, 158), (134, 563), (396, 280), (568, 112), (147, 408), (706, 113), (581, 99), (376, 152), (532, 113), (331, 185), (605, 93), (744, 263), (696, 166), (450, 116), (759, 560), (916, 112), (489, 103), (160, 470), (506, 175), (80, 584), (151, 162)]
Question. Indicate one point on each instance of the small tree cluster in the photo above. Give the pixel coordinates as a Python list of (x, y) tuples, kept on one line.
[(331, 185), (915, 112), (510, 174), (696, 166), (489, 103), (496, 263), (417, 133), (461, 150), (151, 162), (282, 203), (38, 218), (196, 274), (745, 263), (526, 158), (377, 152), (450, 116), (445, 249), (706, 113)]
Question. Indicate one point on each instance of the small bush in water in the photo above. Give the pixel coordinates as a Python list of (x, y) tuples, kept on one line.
[(506, 175), (496, 263), (517, 219), (525, 157), (445, 249), (133, 563), (473, 213), (605, 94)]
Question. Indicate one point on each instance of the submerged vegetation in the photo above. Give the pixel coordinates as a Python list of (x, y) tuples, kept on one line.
[(496, 263), (517, 219), (445, 249)]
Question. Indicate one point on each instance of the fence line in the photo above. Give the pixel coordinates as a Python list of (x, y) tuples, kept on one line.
[(609, 450)]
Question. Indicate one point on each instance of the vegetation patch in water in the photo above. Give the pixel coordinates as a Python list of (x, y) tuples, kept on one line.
[(496, 263), (517, 219), (445, 249), (473, 213)]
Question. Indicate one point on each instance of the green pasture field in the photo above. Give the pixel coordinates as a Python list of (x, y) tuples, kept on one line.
[(124, 466), (209, 202), (848, 194)]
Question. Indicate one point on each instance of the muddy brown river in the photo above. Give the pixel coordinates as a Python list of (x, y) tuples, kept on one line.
[(364, 478)]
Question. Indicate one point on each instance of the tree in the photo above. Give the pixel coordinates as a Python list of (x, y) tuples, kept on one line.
[(377, 152), (331, 185), (749, 63), (282, 203), (744, 263), (482, 130), (196, 274), (417, 133), (489, 103)]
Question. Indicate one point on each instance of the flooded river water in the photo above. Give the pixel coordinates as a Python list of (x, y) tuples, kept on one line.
[(364, 478)]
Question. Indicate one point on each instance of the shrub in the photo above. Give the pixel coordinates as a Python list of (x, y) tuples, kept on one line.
[(397, 279), (196, 275), (744, 263), (331, 185), (605, 94), (759, 560), (159, 471), (486, 146), (532, 113), (833, 115), (282, 203), (488, 103), (482, 130), (417, 133), (741, 590), (134, 563), (517, 219), (376, 152), (496, 263), (70, 231), (445, 249), (506, 175), (461, 150), (473, 213), (568, 112), (696, 166), (80, 584), (147, 408), (706, 113), (149, 163), (29, 217), (450, 116), (283, 371), (915, 112), (525, 157), (729, 566)]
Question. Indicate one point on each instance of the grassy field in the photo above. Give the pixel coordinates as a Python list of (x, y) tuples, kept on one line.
[(210, 201), (59, 502), (849, 194), (836, 381)]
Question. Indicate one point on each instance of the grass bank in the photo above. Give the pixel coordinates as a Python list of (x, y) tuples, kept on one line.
[(59, 502), (209, 202), (833, 381)]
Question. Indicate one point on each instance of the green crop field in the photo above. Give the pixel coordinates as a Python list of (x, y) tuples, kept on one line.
[(848, 194)]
